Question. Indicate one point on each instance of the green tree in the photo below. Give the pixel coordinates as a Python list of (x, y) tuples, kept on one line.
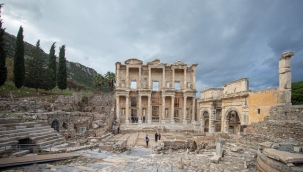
[(297, 93), (36, 75), (3, 69), (19, 67), (110, 80), (52, 65), (61, 75), (98, 81)]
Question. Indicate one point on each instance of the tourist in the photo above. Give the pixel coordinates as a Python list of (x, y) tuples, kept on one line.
[(143, 118), (119, 130), (159, 136), (146, 139), (156, 137)]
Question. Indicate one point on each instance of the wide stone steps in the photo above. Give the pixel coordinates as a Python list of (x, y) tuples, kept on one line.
[(48, 134), (52, 142), (24, 130), (28, 124), (8, 120), (9, 143), (27, 134), (20, 153), (47, 139)]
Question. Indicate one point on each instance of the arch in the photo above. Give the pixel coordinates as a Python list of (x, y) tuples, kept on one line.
[(226, 116), (202, 112), (232, 121), (55, 125)]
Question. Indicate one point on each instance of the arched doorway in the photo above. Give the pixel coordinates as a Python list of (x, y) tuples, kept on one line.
[(205, 118), (55, 125), (233, 121)]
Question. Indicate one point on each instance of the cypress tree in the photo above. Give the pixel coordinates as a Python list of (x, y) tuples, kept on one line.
[(61, 75), (3, 69), (19, 68), (52, 65), (35, 69)]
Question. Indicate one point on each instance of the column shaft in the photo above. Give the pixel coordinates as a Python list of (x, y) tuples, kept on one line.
[(184, 110), (149, 115), (127, 108), (173, 78), (163, 78), (193, 110), (117, 107), (163, 107), (127, 78), (140, 109), (149, 78), (184, 83), (172, 109)]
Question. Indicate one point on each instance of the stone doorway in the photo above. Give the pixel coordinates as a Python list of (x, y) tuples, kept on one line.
[(155, 114), (55, 125), (134, 117), (233, 122)]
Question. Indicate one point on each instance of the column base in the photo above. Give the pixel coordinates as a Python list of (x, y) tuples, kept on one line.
[(149, 121), (172, 121), (140, 121), (193, 122), (127, 121), (184, 121)]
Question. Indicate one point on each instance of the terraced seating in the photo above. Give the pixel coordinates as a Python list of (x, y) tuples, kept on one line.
[(12, 130)]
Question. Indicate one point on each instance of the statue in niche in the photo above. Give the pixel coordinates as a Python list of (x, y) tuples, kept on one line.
[(188, 85), (123, 112), (166, 112), (123, 83), (144, 84)]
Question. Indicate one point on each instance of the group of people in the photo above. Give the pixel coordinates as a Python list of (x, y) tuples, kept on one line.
[(135, 119), (157, 137)]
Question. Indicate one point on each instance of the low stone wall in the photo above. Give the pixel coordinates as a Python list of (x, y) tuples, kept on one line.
[(294, 113)]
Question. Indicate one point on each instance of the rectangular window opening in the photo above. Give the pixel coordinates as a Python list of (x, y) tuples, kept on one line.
[(156, 85), (259, 110), (133, 85), (133, 101), (177, 85)]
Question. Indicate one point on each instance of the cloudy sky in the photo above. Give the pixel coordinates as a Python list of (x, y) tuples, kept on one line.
[(228, 39)]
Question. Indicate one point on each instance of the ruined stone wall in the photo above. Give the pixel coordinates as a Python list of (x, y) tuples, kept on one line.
[(294, 113), (259, 104), (277, 129), (240, 85)]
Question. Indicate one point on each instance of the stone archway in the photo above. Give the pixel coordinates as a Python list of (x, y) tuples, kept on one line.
[(55, 125), (204, 116), (232, 121)]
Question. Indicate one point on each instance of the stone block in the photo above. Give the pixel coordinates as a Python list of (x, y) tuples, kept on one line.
[(219, 150), (297, 149), (236, 149), (215, 159)]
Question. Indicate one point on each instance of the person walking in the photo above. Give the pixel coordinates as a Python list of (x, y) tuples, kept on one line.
[(146, 139), (156, 137), (159, 136)]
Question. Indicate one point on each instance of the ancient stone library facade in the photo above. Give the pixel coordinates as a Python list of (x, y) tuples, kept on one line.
[(157, 92)]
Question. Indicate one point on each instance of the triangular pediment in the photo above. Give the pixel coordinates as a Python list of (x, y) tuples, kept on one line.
[(133, 61)]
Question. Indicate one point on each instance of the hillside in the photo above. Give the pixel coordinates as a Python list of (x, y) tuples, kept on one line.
[(78, 72)]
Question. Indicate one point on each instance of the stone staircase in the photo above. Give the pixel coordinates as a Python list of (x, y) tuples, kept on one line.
[(38, 135)]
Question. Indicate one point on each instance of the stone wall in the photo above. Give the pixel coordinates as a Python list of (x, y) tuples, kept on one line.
[(259, 104), (294, 113)]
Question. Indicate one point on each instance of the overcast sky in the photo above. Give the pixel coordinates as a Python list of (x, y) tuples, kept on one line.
[(228, 39)]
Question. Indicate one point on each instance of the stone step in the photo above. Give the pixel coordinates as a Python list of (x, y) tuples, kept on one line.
[(23, 130), (26, 134), (8, 120), (28, 124), (46, 135), (52, 142), (52, 145), (64, 145), (43, 133), (9, 143), (47, 139), (5, 149), (20, 153), (3, 128)]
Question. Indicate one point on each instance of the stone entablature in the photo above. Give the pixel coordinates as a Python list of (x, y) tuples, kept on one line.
[(211, 94), (155, 91), (237, 86)]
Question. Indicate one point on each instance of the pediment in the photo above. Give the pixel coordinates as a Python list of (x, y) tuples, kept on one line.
[(133, 61), (179, 63), (156, 62)]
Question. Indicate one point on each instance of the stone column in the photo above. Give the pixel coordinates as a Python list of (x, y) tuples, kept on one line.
[(127, 78), (139, 86), (140, 109), (184, 83), (202, 123), (117, 75), (163, 78), (193, 111), (284, 95), (173, 77), (184, 110), (163, 107), (226, 126), (127, 109), (194, 78), (172, 120), (212, 121), (149, 115), (118, 108), (149, 78)]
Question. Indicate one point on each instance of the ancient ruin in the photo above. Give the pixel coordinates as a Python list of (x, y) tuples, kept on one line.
[(226, 129)]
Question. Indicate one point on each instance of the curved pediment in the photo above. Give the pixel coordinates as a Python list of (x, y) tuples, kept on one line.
[(179, 63), (133, 61), (156, 62)]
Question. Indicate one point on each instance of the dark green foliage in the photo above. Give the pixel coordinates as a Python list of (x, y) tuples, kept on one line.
[(110, 80), (62, 73), (297, 93), (19, 67), (37, 75), (52, 65), (99, 81), (3, 69)]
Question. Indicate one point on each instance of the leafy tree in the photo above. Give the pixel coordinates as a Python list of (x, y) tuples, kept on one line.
[(19, 67), (37, 76), (61, 75), (110, 80), (3, 69), (52, 65), (98, 81), (297, 93)]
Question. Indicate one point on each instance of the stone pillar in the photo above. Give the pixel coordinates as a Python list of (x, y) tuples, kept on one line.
[(149, 78), (202, 122), (184, 80), (284, 95), (117, 74), (194, 78), (149, 115), (212, 121), (163, 107), (127, 78), (118, 108), (193, 111), (139, 86), (163, 78), (172, 120), (140, 109), (184, 110), (173, 77), (127, 109)]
